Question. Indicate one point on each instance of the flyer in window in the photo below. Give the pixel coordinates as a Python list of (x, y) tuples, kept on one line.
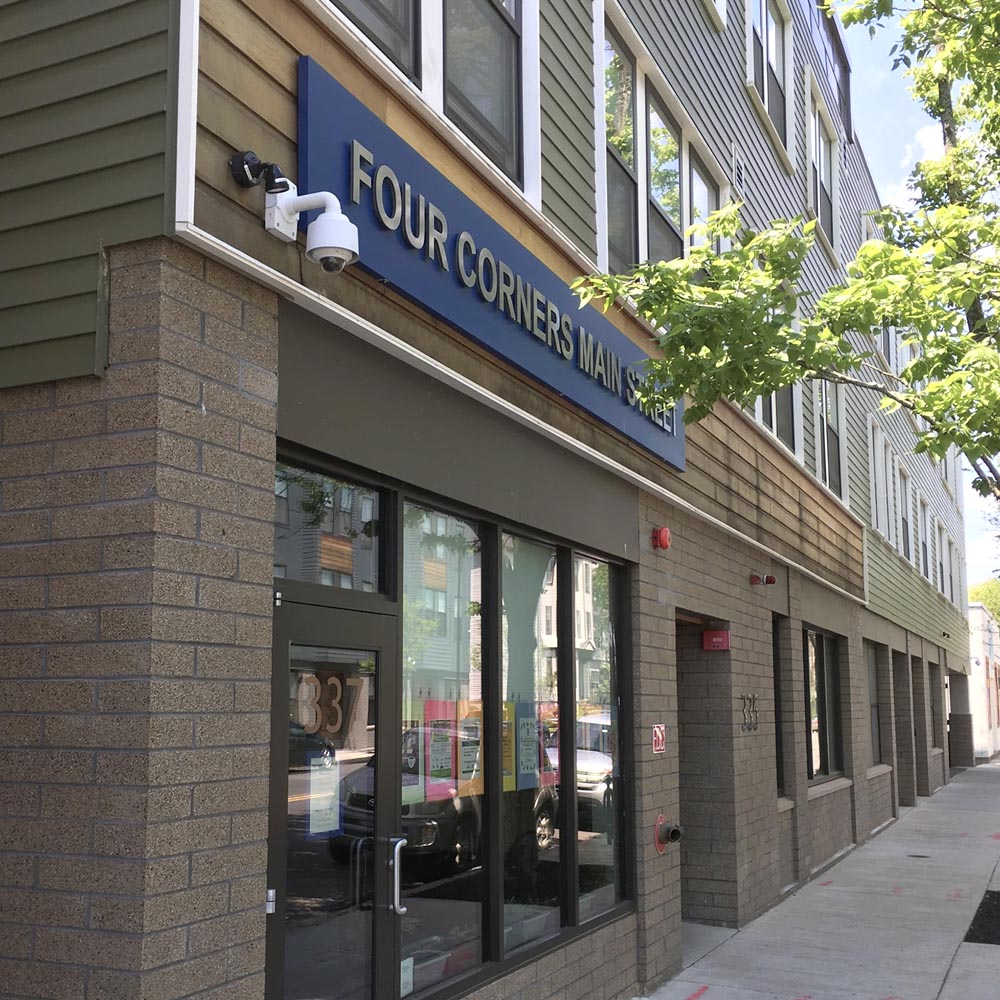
[(413, 752), (324, 795), (470, 772), (440, 740), (507, 747), (527, 745)]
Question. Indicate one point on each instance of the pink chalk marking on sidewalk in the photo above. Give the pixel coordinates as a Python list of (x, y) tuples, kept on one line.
[(995, 836), (963, 835), (897, 890), (698, 993), (827, 883)]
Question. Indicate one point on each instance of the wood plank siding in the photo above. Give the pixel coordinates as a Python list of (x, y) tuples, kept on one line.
[(83, 138), (247, 100)]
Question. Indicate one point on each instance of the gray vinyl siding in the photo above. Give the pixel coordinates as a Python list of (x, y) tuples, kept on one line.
[(84, 90), (567, 120), (706, 69)]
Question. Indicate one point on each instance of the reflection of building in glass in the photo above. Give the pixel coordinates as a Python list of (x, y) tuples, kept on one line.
[(325, 530)]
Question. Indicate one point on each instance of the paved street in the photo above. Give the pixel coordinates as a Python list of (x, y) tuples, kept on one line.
[(886, 923)]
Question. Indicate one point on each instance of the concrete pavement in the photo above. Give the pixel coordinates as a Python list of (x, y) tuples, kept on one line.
[(885, 923)]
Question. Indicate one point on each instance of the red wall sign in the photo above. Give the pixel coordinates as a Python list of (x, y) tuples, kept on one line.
[(659, 739)]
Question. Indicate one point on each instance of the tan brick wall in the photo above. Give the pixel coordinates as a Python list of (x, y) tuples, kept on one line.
[(135, 574), (786, 848), (880, 808), (831, 821)]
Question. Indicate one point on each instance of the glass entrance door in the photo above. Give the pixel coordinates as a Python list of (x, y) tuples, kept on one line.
[(334, 818)]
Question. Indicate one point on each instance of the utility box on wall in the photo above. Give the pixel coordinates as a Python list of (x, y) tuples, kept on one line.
[(715, 639)]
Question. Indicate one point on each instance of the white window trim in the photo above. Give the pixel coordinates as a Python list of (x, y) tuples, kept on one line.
[(428, 98), (691, 140), (785, 150), (876, 474), (940, 539), (797, 422), (716, 10), (889, 468), (819, 421), (813, 95)]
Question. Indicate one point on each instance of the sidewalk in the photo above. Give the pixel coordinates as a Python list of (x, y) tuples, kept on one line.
[(886, 923)]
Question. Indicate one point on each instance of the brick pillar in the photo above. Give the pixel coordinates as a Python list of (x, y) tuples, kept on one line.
[(961, 738), (705, 700), (922, 723), (887, 718), (658, 896), (855, 724), (906, 752), (135, 574)]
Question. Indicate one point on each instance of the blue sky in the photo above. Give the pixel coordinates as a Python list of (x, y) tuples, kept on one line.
[(895, 133)]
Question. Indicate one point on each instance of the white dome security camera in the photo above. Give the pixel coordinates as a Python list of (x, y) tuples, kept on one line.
[(331, 239)]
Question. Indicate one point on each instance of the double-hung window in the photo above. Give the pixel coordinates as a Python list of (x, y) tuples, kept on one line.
[(659, 177), (664, 182), (924, 526), (883, 483), (823, 160), (704, 196), (828, 443), (874, 714), (941, 552), (481, 41), (393, 26), (905, 525), (778, 414), (822, 684), (619, 117), (482, 71), (770, 59)]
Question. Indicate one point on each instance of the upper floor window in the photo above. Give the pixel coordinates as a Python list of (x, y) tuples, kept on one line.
[(664, 183), (833, 59), (924, 526), (823, 164), (482, 54), (619, 116), (481, 87), (905, 526), (393, 27), (828, 444), (778, 412), (942, 551), (882, 479), (704, 196), (658, 175), (770, 63)]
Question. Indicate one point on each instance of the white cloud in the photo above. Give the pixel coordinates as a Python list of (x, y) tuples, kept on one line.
[(930, 141)]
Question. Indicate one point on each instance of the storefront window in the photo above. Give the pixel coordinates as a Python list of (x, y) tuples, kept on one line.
[(326, 529), (442, 749), (597, 753), (822, 676), (531, 854)]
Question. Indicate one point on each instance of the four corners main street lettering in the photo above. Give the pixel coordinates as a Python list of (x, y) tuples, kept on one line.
[(424, 227)]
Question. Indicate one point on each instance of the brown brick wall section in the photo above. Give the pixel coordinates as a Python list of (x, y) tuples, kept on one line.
[(906, 759), (135, 572), (830, 817), (961, 740)]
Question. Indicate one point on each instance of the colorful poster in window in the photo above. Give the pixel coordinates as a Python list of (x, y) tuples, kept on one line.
[(440, 729), (507, 747), (324, 795), (413, 753), (470, 767), (528, 760)]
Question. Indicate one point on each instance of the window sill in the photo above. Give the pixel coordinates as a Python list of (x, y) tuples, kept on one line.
[(828, 786), (824, 241), (937, 752), (716, 10), (878, 770), (772, 133), (785, 805)]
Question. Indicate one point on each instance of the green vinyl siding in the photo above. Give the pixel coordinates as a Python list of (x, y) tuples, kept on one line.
[(84, 95), (567, 120)]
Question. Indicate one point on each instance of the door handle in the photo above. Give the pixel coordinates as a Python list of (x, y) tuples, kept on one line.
[(396, 864)]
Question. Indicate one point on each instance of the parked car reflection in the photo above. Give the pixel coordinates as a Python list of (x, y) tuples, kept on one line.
[(594, 768)]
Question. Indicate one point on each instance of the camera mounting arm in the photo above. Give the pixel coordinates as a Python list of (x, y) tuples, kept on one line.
[(282, 209)]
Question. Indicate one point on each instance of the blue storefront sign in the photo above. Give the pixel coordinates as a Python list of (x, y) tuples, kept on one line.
[(423, 237)]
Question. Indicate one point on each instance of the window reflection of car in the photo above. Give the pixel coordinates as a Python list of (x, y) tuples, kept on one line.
[(594, 767), (305, 750), (444, 830)]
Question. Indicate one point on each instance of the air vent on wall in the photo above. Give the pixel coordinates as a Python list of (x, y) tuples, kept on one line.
[(739, 175)]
